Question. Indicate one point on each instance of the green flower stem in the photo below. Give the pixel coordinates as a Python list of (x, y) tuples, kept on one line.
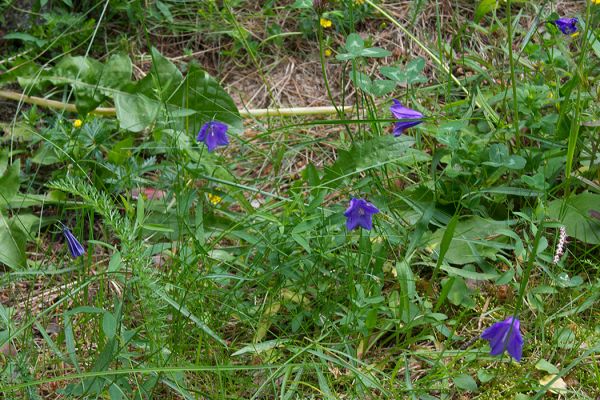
[(107, 111)]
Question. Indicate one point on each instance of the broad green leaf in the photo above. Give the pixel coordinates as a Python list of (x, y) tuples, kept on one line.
[(380, 150), (12, 245), (121, 151), (361, 80), (203, 94), (374, 153), (577, 216), (378, 87), (484, 7), (499, 157), (84, 74), (355, 47), (135, 112), (164, 10), (9, 183), (109, 325), (468, 273), (543, 365), (164, 78), (465, 382), (474, 238), (458, 292), (381, 87), (25, 37), (375, 52), (393, 73), (116, 74), (354, 44)]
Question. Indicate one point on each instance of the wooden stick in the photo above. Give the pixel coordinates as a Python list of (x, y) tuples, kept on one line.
[(259, 112)]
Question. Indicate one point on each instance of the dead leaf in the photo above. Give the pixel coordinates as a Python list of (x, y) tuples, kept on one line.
[(557, 387)]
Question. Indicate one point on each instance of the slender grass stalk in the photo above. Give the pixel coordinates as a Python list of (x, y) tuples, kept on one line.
[(513, 84)]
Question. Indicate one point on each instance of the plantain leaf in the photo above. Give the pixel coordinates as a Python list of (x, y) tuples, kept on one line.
[(577, 216)]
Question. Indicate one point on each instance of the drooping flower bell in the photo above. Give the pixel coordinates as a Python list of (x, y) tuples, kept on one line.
[(75, 248), (505, 335), (567, 26), (213, 134), (408, 117), (360, 213)]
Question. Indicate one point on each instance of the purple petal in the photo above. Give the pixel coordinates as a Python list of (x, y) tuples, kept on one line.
[(351, 223), (365, 221), (408, 117), (360, 213), (399, 127), (401, 112), (515, 345), (495, 335), (505, 335), (213, 134), (567, 26), (75, 248)]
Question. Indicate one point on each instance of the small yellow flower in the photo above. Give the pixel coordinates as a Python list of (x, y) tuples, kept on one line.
[(596, 1), (214, 199), (327, 52), (77, 123), (325, 23), (576, 33)]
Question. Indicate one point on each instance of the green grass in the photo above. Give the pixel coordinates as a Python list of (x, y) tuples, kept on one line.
[(264, 293)]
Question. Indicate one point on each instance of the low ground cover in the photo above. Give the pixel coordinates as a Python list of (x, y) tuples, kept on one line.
[(305, 199)]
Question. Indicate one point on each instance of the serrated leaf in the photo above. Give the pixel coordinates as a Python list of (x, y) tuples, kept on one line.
[(474, 238), (374, 153)]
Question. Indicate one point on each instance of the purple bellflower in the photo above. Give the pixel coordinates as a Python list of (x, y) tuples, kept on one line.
[(409, 117), (360, 213), (505, 335), (213, 133), (568, 26), (75, 248)]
